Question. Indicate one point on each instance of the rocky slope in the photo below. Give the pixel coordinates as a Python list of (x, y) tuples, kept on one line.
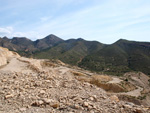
[(35, 86), (5, 55)]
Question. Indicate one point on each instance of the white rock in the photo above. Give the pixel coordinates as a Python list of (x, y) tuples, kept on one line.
[(47, 101), (42, 92), (85, 104), (22, 109), (40, 102), (91, 98), (9, 96)]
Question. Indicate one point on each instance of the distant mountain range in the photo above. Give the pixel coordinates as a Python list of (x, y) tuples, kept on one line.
[(117, 58)]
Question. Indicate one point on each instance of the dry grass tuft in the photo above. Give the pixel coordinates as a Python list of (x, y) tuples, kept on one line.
[(101, 78), (77, 73), (47, 64)]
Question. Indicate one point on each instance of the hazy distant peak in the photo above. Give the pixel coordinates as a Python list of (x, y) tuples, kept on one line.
[(121, 41), (20, 38), (80, 39), (5, 37)]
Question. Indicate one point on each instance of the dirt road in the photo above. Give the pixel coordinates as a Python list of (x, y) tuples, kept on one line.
[(16, 65)]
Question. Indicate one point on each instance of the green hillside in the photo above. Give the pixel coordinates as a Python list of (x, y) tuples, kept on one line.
[(71, 51), (120, 57)]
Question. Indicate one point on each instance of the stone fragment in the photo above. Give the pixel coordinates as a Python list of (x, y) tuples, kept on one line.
[(22, 109), (4, 80), (114, 98), (91, 98), (94, 96), (138, 110), (127, 106), (76, 106), (47, 101), (42, 92), (9, 96), (85, 104), (55, 105), (37, 103)]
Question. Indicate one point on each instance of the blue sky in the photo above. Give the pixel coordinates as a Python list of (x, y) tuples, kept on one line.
[(102, 20)]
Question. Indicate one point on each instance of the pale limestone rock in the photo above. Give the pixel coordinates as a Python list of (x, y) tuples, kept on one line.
[(37, 103), (114, 98), (85, 104), (42, 92), (48, 101), (77, 106), (91, 98), (22, 109), (9, 96)]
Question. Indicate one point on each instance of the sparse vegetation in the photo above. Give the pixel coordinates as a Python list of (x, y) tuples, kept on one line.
[(78, 73), (47, 63), (142, 97), (114, 59)]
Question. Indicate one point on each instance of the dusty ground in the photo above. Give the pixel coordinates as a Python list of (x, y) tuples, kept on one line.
[(28, 86), (115, 80), (16, 66)]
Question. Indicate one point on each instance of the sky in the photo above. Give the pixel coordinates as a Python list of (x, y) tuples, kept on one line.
[(105, 21)]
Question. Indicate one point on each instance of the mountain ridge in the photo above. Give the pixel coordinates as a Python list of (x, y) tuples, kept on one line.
[(117, 58)]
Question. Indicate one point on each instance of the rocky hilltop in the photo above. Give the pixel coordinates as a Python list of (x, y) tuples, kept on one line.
[(36, 86)]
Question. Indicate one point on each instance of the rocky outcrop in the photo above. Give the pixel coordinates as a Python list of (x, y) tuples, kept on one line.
[(5, 55), (104, 82)]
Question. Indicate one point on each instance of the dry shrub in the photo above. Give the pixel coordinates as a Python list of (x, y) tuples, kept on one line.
[(48, 64), (101, 78), (77, 73), (127, 86), (34, 68), (83, 78)]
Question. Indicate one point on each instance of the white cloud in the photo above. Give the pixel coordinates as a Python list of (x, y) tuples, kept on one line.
[(10, 32), (33, 35), (104, 21), (6, 31)]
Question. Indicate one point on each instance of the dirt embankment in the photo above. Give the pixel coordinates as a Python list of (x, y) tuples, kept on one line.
[(35, 86), (105, 82), (6, 55)]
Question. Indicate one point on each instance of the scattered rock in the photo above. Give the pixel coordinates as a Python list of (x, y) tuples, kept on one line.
[(91, 98), (54, 89), (77, 106), (55, 105), (85, 104), (114, 98), (127, 106), (138, 110), (22, 109), (42, 92), (9, 96), (37, 103), (47, 101)]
